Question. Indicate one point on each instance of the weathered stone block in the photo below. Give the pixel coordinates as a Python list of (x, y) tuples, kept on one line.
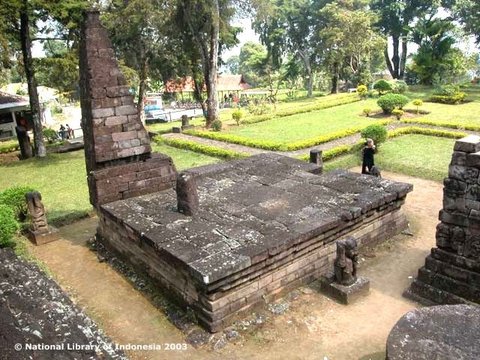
[(459, 158), (103, 112), (125, 110), (468, 144)]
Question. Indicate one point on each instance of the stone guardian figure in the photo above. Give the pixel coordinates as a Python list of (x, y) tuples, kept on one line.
[(345, 265), (40, 233)]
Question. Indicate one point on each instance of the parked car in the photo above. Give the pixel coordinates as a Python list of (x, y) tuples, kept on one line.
[(154, 111)]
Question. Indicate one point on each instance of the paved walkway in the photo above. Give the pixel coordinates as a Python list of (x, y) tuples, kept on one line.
[(348, 140)]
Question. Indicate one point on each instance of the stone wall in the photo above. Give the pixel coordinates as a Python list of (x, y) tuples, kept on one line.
[(117, 147), (451, 274)]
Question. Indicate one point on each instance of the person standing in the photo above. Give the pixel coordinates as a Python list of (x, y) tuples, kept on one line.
[(368, 161)]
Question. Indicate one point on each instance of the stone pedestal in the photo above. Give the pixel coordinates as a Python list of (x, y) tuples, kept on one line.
[(42, 237), (439, 332), (342, 293), (451, 274)]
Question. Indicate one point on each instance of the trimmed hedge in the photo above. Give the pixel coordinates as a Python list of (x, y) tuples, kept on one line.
[(336, 151), (450, 100), (452, 125), (200, 148), (279, 146), (426, 131)]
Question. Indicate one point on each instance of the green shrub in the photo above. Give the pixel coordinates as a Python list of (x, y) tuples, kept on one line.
[(14, 198), (451, 100), (217, 125), (367, 112), (200, 148), (447, 90), (8, 226), (399, 86), (397, 113), (362, 91), (448, 94), (9, 146), (237, 115), (377, 133), (391, 101), (50, 134), (382, 86), (372, 94), (417, 103)]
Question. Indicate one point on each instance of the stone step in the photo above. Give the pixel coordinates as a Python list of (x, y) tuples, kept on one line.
[(429, 295), (468, 277), (457, 260), (447, 284)]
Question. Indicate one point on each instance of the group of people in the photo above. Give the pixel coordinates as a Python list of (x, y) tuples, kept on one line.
[(66, 132)]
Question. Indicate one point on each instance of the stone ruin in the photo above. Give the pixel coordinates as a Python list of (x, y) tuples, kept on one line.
[(117, 147), (40, 232), (233, 234), (451, 274)]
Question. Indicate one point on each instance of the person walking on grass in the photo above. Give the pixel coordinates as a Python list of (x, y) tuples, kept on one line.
[(367, 157)]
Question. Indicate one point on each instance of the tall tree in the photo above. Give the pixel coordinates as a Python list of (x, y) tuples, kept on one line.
[(468, 13), (206, 24), (347, 37), (396, 18), (18, 16), (143, 39), (252, 62), (436, 59), (287, 27)]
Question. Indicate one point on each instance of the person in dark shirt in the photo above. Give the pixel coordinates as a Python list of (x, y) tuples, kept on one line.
[(367, 157)]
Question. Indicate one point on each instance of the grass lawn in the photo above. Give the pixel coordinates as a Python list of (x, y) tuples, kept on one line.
[(61, 178), (308, 125), (462, 114), (226, 114), (421, 156)]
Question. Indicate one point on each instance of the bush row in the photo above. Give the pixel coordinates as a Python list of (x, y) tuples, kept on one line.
[(452, 125), (279, 146), (451, 100), (426, 131), (348, 99), (200, 148), (13, 210)]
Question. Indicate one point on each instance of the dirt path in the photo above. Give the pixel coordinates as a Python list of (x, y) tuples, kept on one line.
[(314, 327)]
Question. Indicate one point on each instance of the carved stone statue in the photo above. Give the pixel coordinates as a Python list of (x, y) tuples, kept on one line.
[(37, 212), (345, 265)]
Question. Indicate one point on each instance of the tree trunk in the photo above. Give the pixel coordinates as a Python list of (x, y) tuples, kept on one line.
[(396, 57), (40, 149), (308, 69), (142, 88), (403, 60), (387, 60), (211, 75), (335, 78)]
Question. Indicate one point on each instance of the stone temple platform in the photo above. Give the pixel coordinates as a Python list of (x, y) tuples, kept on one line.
[(265, 225)]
